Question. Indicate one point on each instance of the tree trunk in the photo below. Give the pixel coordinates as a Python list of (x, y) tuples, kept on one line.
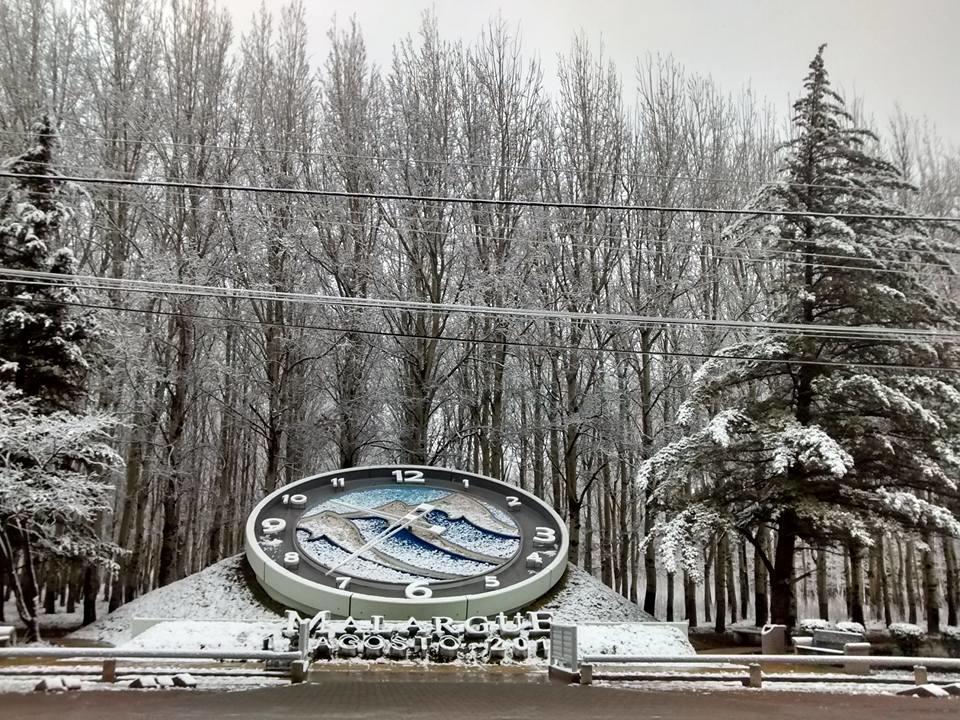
[(646, 420), (707, 602), (911, 574), (781, 582), (856, 583), (588, 539), (744, 580), (761, 610), (950, 565), (671, 578), (689, 600), (91, 584), (931, 587), (884, 585), (823, 600), (731, 582), (719, 586)]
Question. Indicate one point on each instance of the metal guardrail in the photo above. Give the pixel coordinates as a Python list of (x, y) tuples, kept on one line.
[(566, 662), (877, 661), (133, 653), (853, 665), (298, 659)]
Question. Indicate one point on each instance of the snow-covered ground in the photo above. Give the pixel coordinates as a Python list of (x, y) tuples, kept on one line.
[(654, 640), (55, 624), (208, 635), (220, 592), (580, 597), (222, 681)]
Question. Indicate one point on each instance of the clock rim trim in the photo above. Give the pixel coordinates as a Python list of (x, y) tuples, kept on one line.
[(540, 582)]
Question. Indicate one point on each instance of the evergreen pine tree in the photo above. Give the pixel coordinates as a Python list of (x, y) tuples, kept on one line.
[(42, 337), (53, 457), (798, 439)]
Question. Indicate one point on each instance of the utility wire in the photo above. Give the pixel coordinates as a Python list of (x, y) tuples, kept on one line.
[(401, 197), (208, 291), (487, 341), (621, 241)]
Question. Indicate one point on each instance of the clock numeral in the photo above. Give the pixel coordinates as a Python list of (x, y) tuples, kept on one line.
[(297, 500), (291, 559), (513, 502), (491, 581), (545, 537), (408, 476), (343, 582), (273, 526), (418, 590), (337, 483), (534, 561)]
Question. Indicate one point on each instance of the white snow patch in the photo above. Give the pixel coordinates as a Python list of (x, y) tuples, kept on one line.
[(220, 592), (650, 640), (580, 597), (209, 635)]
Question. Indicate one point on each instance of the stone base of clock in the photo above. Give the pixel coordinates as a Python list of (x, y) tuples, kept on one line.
[(229, 590)]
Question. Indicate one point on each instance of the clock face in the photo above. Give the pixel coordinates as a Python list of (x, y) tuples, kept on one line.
[(402, 540)]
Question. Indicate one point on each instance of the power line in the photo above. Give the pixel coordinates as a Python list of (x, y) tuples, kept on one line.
[(623, 239), (488, 341), (400, 197), (826, 331)]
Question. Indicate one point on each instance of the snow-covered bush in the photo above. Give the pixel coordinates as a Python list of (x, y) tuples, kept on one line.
[(851, 626), (908, 637), (808, 625), (951, 641)]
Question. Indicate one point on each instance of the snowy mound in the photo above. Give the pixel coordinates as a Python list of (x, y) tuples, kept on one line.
[(228, 591), (653, 640), (580, 597), (208, 635), (223, 591)]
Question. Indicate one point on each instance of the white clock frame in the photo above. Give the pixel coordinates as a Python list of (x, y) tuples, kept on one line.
[(300, 594)]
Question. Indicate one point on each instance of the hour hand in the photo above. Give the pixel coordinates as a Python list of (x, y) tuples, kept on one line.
[(411, 517)]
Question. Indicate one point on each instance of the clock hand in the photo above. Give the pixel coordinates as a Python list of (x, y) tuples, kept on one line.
[(409, 518), (426, 524)]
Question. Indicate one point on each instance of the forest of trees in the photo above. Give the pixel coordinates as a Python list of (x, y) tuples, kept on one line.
[(310, 265)]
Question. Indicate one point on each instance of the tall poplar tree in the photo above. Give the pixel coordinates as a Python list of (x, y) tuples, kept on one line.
[(824, 435)]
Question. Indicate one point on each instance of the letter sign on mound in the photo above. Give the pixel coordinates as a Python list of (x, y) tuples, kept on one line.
[(405, 541)]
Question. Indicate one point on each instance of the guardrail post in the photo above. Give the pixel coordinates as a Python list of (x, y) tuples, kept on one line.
[(298, 671), (919, 674), (109, 672), (303, 640), (755, 678), (586, 674)]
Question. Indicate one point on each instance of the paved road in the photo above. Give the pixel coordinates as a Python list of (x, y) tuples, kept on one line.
[(353, 697)]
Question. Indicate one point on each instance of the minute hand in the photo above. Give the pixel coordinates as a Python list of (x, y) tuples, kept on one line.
[(411, 517)]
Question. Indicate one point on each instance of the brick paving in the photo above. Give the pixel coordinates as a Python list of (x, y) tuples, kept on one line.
[(371, 695)]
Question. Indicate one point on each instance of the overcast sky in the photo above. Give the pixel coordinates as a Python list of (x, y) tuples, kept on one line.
[(886, 51)]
